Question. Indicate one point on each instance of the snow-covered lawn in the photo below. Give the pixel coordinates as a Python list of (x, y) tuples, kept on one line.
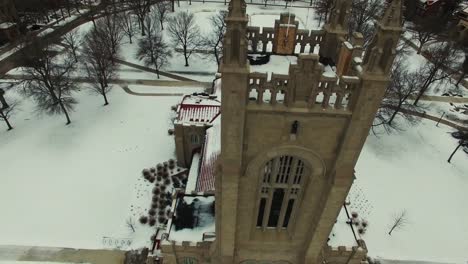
[(73, 186), (409, 171)]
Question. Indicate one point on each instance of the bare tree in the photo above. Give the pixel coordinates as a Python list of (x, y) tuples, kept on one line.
[(47, 81), (98, 63), (111, 34), (7, 109), (185, 34), (214, 40), (141, 9), (72, 41), (443, 58), (130, 224), (163, 8), (400, 220), (427, 29), (127, 23), (323, 8), (361, 19), (464, 70), (152, 49), (396, 102)]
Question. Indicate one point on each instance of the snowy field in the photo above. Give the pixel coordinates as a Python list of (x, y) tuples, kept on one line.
[(409, 171), (73, 186)]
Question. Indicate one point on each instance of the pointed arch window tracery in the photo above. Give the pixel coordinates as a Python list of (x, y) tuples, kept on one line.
[(282, 180)]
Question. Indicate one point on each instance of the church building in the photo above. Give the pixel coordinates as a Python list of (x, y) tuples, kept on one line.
[(272, 157)]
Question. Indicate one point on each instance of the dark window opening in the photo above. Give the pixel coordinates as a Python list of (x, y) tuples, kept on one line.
[(261, 212), (275, 210), (287, 216)]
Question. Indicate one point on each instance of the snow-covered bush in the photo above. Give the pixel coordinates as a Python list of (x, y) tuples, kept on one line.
[(167, 181), (152, 169), (152, 212), (151, 221), (156, 190), (143, 219)]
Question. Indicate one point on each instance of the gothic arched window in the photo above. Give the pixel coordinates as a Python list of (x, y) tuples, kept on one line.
[(282, 180)]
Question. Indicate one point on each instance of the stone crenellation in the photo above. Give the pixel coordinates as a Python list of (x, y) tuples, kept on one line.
[(322, 91), (304, 37)]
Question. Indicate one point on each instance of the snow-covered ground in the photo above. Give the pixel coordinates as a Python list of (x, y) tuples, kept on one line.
[(409, 171), (72, 186)]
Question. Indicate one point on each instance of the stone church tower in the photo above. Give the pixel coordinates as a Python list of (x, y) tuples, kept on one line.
[(287, 164)]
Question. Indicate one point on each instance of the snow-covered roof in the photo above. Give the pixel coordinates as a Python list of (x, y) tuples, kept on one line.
[(193, 174), (211, 151), (342, 233), (204, 220), (198, 109)]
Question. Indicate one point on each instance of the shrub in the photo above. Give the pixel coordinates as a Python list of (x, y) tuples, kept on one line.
[(168, 212), (155, 199), (159, 178), (143, 219), (354, 214), (152, 212), (174, 108), (152, 179), (170, 132), (153, 237), (167, 181), (162, 220), (156, 190), (176, 183), (171, 161), (146, 173), (151, 221), (160, 173), (161, 212), (163, 188), (154, 205), (153, 169), (165, 164), (364, 224), (159, 166), (162, 195), (361, 231)]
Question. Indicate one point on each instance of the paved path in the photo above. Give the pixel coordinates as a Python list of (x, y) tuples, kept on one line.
[(434, 118), (143, 68), (447, 99)]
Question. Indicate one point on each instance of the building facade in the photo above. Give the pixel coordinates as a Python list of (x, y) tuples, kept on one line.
[(289, 145)]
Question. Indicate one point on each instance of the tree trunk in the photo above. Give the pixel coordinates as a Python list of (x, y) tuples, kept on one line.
[(157, 73), (94, 22), (455, 151), (142, 22), (162, 25), (6, 120), (65, 112), (130, 38), (394, 114), (105, 98), (216, 56), (462, 76), (420, 48), (173, 5), (185, 56)]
